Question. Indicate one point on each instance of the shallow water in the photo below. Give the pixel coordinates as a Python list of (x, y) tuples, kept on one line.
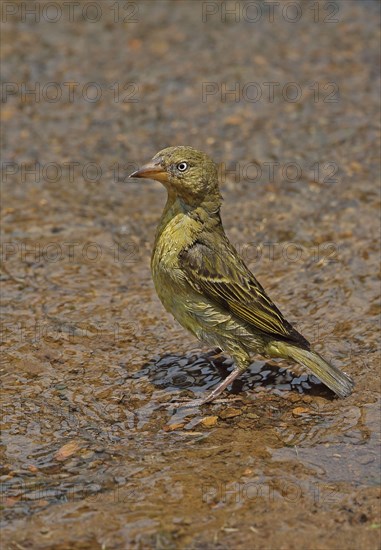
[(98, 448)]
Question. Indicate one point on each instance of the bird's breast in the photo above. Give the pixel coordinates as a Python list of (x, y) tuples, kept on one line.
[(172, 237)]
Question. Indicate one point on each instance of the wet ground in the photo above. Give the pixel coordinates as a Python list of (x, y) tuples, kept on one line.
[(96, 451)]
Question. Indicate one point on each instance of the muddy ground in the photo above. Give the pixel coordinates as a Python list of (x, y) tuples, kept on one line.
[(95, 452)]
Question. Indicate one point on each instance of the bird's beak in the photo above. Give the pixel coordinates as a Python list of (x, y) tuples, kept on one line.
[(152, 170)]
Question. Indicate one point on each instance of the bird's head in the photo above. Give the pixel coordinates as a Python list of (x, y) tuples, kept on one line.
[(189, 174)]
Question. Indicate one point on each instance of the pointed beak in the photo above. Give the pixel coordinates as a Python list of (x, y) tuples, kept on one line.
[(152, 170)]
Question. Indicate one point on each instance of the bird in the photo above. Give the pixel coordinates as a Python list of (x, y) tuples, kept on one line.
[(205, 284)]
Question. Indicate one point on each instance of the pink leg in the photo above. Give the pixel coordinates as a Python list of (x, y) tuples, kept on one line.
[(215, 393), (223, 385)]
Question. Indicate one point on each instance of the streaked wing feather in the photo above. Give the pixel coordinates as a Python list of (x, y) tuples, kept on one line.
[(220, 274)]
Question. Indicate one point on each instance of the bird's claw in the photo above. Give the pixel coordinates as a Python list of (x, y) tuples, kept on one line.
[(190, 403)]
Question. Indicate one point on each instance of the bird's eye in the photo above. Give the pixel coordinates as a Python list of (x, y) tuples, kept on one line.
[(182, 166)]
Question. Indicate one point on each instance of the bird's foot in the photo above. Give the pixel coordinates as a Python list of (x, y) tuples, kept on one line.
[(212, 395), (190, 403)]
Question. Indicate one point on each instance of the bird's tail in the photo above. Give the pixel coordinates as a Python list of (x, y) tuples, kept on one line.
[(331, 376)]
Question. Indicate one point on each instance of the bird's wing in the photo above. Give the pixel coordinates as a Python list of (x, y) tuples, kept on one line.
[(216, 271)]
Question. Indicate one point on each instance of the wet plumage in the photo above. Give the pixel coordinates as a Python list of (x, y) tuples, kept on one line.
[(201, 279)]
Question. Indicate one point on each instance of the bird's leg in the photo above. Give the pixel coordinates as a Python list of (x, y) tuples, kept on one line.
[(216, 392), (222, 386)]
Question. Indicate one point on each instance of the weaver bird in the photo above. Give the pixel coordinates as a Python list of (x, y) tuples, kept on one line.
[(203, 282)]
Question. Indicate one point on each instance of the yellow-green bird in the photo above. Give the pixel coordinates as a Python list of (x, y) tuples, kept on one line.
[(204, 283)]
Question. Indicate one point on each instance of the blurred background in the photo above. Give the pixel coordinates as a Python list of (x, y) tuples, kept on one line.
[(285, 97)]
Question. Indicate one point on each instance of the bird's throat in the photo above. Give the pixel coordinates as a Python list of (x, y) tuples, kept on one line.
[(187, 218)]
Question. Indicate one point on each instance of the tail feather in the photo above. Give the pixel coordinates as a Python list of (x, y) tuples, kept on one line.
[(331, 376)]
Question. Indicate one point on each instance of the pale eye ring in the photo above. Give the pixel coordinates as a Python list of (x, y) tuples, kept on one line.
[(182, 166)]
